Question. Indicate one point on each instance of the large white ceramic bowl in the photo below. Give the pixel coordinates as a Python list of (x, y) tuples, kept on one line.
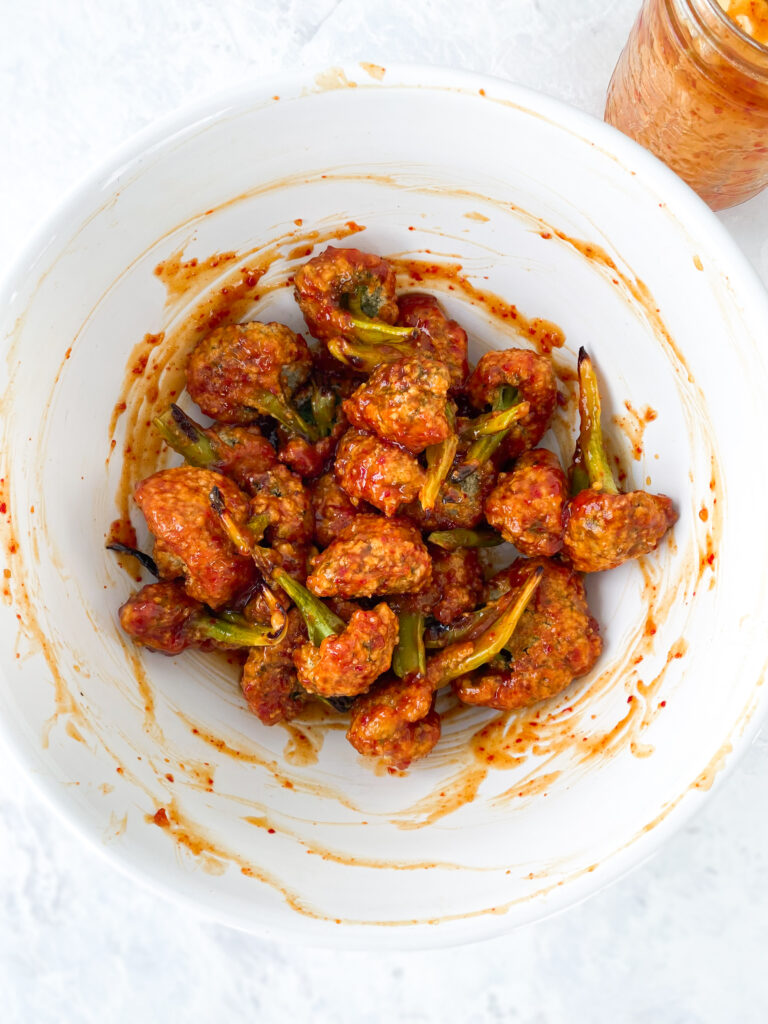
[(287, 831)]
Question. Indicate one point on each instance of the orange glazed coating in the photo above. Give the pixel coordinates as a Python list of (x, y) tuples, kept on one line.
[(556, 641), (404, 402), (372, 470), (436, 335), (309, 458), (280, 495), (457, 586), (372, 555), (228, 368), (269, 682), (527, 506), (459, 504), (157, 616), (534, 378), (241, 452), (603, 530), (332, 509), (325, 284), (176, 506), (395, 722), (347, 664)]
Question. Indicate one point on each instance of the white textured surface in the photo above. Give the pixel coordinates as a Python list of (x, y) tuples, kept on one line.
[(683, 940)]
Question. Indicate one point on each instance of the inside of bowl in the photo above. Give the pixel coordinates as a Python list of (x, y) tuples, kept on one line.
[(287, 827)]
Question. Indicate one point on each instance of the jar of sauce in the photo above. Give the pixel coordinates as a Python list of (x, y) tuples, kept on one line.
[(691, 85)]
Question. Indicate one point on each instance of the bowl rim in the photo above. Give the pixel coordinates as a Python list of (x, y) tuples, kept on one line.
[(90, 191)]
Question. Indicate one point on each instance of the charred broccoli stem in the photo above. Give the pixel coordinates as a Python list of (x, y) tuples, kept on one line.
[(464, 657), (590, 466), (439, 461), (186, 437), (467, 627), (145, 560), (266, 403)]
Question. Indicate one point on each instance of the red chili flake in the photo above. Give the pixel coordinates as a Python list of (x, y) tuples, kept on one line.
[(271, 831), (161, 818)]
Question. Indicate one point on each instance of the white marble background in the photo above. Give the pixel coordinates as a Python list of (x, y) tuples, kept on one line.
[(684, 939)]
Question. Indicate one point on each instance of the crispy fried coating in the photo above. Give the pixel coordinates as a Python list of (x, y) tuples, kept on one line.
[(176, 506), (158, 616), (533, 377), (603, 530), (325, 285), (459, 503), (436, 335), (527, 506), (309, 458), (395, 722), (169, 566), (556, 641), (280, 495), (242, 452), (376, 471), (372, 555), (456, 587), (229, 368), (404, 402), (332, 509), (346, 665), (269, 681)]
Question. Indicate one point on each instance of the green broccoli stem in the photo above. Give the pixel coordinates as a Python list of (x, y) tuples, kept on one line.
[(186, 437), (374, 331), (451, 540), (409, 657), (439, 461), (577, 474), (508, 408), (366, 357), (211, 627), (324, 402), (320, 621), (366, 328), (462, 658), (591, 447), (269, 404), (257, 525)]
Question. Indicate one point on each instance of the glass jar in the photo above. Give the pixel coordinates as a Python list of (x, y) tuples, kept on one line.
[(691, 85)]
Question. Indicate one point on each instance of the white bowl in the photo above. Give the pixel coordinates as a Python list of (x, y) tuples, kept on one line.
[(484, 174)]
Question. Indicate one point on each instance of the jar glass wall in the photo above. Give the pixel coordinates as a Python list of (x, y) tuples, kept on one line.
[(691, 85)]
